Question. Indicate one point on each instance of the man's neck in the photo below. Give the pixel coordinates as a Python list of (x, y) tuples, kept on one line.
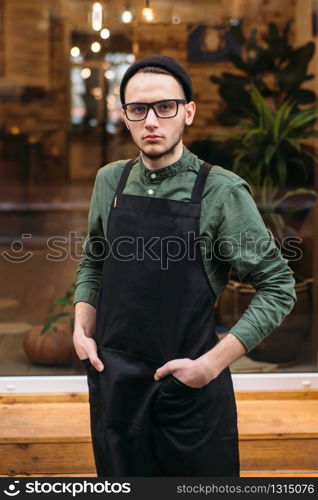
[(163, 161)]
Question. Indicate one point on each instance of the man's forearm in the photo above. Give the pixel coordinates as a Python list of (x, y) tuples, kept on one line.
[(85, 319), (84, 331), (225, 352), (202, 370)]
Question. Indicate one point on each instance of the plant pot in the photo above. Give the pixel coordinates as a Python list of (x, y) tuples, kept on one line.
[(286, 341), (53, 347)]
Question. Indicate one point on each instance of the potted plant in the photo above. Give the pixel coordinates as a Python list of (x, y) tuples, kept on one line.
[(274, 116), (51, 343), (268, 62), (262, 149), (267, 144)]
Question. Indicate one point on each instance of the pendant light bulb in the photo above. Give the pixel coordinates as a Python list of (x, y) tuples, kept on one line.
[(105, 33), (75, 52), (96, 47), (97, 16), (147, 12), (126, 16)]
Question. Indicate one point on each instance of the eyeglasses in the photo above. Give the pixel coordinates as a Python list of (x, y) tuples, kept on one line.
[(166, 108)]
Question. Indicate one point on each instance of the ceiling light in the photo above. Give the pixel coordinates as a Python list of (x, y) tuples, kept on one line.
[(85, 73), (126, 16), (105, 33), (97, 16), (75, 51), (109, 74), (95, 47), (147, 12)]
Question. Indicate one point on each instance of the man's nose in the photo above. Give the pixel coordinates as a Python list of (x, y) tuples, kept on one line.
[(151, 118)]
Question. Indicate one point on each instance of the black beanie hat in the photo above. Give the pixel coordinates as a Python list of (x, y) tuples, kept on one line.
[(168, 63)]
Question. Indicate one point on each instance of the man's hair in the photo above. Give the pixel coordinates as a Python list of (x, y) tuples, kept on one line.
[(158, 71), (154, 69)]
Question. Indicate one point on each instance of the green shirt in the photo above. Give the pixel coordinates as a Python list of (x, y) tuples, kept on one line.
[(229, 219)]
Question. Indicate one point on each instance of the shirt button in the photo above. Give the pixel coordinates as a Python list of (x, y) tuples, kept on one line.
[(150, 191), (153, 176)]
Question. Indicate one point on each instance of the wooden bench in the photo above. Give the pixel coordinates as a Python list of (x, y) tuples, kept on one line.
[(49, 434)]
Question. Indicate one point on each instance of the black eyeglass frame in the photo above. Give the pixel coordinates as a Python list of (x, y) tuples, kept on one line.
[(152, 106)]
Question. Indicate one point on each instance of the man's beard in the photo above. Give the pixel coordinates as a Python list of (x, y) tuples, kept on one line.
[(167, 153)]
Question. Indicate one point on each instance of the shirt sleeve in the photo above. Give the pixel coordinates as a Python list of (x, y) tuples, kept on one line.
[(88, 273), (246, 243)]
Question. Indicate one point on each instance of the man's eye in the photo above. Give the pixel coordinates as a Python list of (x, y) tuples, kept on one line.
[(138, 110), (165, 106)]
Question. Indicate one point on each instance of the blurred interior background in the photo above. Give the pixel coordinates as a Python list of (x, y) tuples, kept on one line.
[(253, 64)]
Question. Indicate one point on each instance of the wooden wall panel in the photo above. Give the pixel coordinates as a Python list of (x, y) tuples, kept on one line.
[(26, 33)]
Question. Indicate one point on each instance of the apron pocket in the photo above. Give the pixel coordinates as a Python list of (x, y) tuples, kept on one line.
[(177, 405), (182, 384)]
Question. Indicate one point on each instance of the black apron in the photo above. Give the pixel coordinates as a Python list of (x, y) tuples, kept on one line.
[(156, 304)]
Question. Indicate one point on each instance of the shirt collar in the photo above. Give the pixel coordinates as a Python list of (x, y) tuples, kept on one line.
[(183, 164)]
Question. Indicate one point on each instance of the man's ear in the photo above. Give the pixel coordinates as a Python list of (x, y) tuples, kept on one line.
[(190, 109), (124, 118)]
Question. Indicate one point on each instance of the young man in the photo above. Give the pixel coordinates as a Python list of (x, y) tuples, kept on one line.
[(164, 231)]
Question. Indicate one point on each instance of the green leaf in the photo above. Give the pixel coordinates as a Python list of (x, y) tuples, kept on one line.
[(265, 113), (269, 153), (281, 116), (52, 319), (294, 143), (295, 192), (237, 162), (302, 119), (251, 133), (63, 301)]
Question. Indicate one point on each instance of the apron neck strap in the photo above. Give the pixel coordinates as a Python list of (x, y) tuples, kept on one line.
[(124, 176), (200, 182), (197, 188)]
